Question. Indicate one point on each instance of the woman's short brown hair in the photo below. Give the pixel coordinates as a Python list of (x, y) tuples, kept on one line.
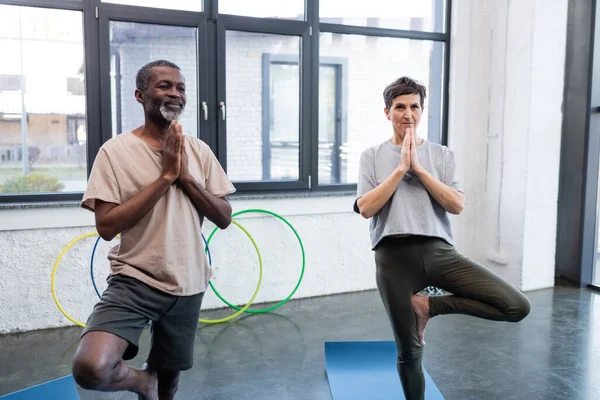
[(403, 86)]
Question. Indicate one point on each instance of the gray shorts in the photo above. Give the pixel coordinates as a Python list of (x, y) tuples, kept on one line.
[(126, 307)]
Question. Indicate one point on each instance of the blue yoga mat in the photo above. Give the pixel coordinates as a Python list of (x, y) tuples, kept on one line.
[(367, 370), (58, 389)]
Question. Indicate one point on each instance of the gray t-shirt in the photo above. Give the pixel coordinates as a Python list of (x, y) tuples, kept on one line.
[(411, 210)]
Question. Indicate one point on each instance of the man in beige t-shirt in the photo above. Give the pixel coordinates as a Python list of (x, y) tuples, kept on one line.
[(153, 186)]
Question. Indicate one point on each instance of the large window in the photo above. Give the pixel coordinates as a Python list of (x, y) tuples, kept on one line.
[(286, 93), (132, 45), (424, 15), (345, 131), (43, 133)]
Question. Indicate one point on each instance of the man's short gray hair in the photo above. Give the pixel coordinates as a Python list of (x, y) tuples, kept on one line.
[(143, 75)]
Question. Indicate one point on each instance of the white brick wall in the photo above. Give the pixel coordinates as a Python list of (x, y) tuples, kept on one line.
[(506, 96), (335, 240)]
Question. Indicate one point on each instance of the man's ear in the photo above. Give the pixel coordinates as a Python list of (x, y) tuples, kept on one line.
[(139, 96)]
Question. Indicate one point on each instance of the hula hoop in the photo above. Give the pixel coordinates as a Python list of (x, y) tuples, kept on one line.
[(94, 252), (282, 302), (56, 263), (240, 310), (206, 321)]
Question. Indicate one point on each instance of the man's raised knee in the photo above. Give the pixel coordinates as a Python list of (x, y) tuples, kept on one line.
[(91, 374)]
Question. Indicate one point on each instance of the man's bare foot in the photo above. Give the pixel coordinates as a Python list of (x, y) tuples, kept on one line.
[(151, 386), (420, 306)]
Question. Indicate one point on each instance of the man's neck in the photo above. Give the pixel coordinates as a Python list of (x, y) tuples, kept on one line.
[(153, 132)]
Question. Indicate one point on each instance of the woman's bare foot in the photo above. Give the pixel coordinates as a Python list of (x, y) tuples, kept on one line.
[(420, 306), (151, 386)]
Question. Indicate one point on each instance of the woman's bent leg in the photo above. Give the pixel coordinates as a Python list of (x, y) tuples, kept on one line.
[(476, 290)]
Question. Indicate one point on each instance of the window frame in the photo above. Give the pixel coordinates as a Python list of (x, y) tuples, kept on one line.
[(69, 5), (296, 28), (143, 15), (211, 79), (341, 100), (436, 96)]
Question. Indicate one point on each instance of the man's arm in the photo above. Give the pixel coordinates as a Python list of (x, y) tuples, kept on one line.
[(216, 209), (451, 199), (112, 219)]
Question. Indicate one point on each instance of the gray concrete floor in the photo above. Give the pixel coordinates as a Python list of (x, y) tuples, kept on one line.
[(552, 354)]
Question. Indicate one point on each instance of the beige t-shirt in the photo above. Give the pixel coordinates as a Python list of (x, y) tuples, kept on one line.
[(164, 249)]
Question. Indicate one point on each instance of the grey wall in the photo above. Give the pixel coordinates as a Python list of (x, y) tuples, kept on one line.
[(574, 132)]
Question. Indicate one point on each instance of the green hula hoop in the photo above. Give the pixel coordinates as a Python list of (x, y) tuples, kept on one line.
[(240, 310), (282, 302)]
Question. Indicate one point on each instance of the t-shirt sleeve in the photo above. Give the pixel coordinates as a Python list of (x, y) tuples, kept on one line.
[(450, 172), (217, 182), (102, 184), (366, 177)]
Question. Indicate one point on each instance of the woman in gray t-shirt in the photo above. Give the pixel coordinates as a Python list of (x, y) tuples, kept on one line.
[(407, 187)]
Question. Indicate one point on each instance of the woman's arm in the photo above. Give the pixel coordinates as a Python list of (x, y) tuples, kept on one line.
[(373, 201), (451, 199)]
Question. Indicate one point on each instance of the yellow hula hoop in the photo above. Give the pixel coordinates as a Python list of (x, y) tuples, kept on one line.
[(218, 321), (52, 280), (206, 321)]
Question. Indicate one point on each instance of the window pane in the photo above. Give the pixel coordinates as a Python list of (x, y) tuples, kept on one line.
[(43, 139), (186, 5), (132, 45), (328, 109), (351, 107), (394, 14), (263, 106), (286, 9)]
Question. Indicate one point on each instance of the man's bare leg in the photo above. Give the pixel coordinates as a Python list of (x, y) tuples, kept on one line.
[(98, 365)]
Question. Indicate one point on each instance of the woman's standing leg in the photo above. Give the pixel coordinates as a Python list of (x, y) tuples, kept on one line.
[(400, 274), (476, 290)]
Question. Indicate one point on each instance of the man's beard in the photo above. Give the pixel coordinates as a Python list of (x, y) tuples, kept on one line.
[(158, 110)]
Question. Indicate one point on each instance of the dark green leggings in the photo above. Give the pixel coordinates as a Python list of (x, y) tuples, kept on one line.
[(407, 265)]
